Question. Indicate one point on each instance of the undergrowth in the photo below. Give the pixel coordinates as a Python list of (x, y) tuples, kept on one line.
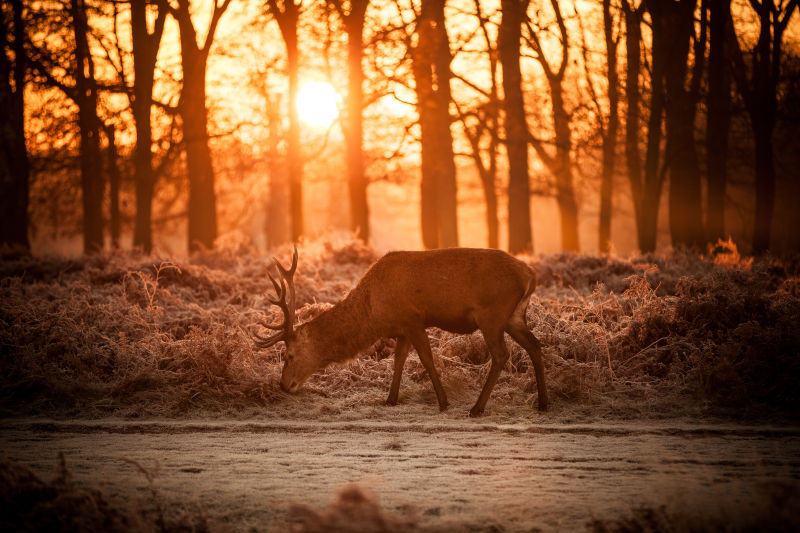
[(654, 335), (29, 503)]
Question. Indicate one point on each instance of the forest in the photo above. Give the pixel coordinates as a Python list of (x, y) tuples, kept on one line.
[(629, 127), (639, 156)]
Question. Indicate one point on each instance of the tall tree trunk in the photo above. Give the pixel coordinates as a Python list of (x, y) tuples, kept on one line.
[(760, 98), (145, 51), (719, 117), (202, 199), (565, 191), (610, 135), (294, 151), (488, 122), (559, 165), (763, 111), (685, 207), (112, 169), (14, 166), (89, 125), (287, 16), (278, 217), (520, 236), (194, 115), (354, 128), (633, 38), (431, 65), (653, 179)]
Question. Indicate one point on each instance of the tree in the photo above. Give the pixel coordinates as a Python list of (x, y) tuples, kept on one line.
[(14, 166), (719, 116), (287, 13), (609, 129), (353, 20), (760, 95), (560, 164), (145, 51), (278, 218), (431, 67), (520, 236), (633, 63), (84, 93), (676, 19), (194, 116), (114, 178), (485, 124), (653, 175)]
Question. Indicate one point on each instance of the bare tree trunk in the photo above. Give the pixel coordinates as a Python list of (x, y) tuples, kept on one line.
[(610, 135), (145, 51), (287, 16), (112, 169), (760, 98), (559, 165), (653, 179), (192, 107), (565, 191), (354, 129), (89, 125), (520, 236), (719, 117), (14, 166), (488, 122), (685, 207), (431, 65), (633, 38), (278, 218)]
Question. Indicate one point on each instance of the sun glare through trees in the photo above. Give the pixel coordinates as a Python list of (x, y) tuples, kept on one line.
[(318, 104)]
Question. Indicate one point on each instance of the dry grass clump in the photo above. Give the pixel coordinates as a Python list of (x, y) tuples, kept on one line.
[(27, 503), (774, 509), (353, 511), (132, 335)]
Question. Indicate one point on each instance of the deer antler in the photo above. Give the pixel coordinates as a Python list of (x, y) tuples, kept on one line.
[(283, 289)]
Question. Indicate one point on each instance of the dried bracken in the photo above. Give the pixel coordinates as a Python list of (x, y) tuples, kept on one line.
[(646, 335)]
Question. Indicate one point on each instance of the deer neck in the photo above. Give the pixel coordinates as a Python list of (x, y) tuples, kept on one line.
[(345, 329)]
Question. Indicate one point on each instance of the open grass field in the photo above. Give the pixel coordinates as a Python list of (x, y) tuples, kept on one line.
[(674, 389)]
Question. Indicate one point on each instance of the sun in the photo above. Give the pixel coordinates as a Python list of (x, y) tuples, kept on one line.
[(318, 104)]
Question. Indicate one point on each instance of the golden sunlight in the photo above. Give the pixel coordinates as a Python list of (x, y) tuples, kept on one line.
[(318, 104)]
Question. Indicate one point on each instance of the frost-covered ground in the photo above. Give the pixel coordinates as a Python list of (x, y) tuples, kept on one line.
[(151, 346)]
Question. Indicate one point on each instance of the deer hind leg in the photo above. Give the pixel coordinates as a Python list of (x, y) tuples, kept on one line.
[(519, 331), (499, 353), (420, 341), (400, 354)]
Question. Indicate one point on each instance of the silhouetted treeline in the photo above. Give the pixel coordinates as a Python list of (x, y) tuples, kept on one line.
[(543, 97)]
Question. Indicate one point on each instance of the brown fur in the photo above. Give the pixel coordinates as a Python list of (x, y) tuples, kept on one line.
[(456, 289)]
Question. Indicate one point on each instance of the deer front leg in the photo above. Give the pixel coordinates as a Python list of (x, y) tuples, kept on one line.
[(499, 353), (420, 341), (400, 354)]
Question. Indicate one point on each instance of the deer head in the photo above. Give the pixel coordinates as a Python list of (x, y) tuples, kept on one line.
[(300, 360)]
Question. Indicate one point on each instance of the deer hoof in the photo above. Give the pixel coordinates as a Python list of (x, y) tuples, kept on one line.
[(443, 406), (541, 405), (475, 412), (391, 401)]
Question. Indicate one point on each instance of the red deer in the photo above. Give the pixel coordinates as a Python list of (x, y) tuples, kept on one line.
[(455, 289)]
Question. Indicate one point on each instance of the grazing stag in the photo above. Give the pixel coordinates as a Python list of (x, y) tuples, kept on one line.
[(457, 289)]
